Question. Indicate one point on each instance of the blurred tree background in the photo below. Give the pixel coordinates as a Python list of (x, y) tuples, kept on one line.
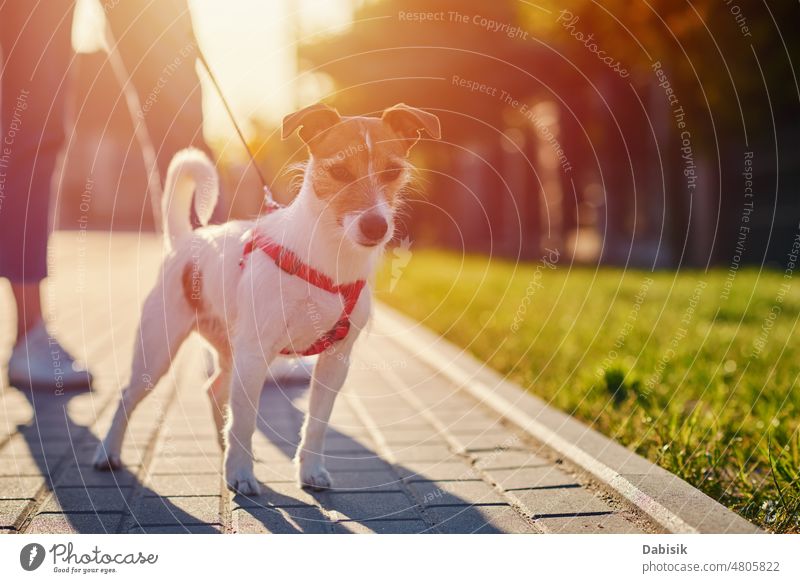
[(653, 133), (559, 130)]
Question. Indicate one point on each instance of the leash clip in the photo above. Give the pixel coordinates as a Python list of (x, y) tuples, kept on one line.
[(269, 201)]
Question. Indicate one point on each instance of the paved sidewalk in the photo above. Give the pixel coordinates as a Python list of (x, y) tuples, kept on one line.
[(409, 451)]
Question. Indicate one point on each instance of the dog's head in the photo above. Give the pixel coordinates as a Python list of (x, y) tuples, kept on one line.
[(358, 165)]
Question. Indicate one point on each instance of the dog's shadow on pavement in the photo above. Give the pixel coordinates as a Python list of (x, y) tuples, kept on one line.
[(77, 497), (368, 495)]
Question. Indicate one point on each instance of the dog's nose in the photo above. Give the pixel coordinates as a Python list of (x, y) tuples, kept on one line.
[(373, 226)]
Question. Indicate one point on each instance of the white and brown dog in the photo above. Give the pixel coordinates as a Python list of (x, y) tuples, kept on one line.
[(289, 282)]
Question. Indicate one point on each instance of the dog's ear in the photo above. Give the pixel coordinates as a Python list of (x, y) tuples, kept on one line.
[(409, 122), (311, 120)]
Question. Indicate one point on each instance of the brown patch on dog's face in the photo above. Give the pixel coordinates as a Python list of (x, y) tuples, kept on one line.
[(357, 164), (192, 284)]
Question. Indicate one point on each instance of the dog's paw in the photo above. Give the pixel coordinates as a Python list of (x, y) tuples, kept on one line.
[(243, 481), (105, 461), (314, 477)]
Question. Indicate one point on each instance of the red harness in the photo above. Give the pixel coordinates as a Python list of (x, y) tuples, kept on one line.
[(291, 264)]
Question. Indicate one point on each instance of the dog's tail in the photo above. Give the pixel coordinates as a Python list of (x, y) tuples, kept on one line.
[(190, 175)]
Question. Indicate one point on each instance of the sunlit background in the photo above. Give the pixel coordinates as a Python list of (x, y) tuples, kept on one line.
[(252, 46), (573, 141)]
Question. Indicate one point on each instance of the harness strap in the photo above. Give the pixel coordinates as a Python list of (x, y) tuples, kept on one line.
[(290, 263)]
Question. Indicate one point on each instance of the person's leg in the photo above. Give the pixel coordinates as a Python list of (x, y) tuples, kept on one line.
[(157, 43), (36, 46), (28, 298), (35, 41)]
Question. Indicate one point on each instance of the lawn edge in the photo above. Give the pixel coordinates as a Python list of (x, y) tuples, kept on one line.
[(670, 501)]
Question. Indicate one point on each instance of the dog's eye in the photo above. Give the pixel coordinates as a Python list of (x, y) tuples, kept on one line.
[(341, 173), (391, 173)]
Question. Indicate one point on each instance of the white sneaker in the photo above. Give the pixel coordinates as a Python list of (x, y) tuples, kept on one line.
[(38, 361)]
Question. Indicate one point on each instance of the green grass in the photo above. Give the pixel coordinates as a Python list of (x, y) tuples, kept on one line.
[(673, 369)]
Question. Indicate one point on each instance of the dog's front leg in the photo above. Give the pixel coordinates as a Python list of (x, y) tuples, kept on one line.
[(249, 372), (329, 376)]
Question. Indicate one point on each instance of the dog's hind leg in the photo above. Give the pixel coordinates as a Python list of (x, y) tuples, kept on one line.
[(254, 346), (162, 330), (218, 390), (249, 372)]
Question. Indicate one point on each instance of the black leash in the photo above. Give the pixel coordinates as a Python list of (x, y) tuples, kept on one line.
[(269, 201)]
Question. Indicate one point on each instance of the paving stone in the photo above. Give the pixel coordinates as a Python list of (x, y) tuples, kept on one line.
[(378, 480), (187, 441), (470, 424), (457, 492), (26, 466), (492, 519), (363, 464), (275, 472), (174, 433), (381, 527), (602, 524), (417, 453), (183, 484), (184, 464), (404, 420), (491, 441), (141, 434), (354, 454), (282, 521), (508, 459), (334, 443), (32, 445), (11, 510), (87, 500), (177, 529), (176, 510), (268, 454), (370, 505), (412, 438), (271, 422), (86, 476), (452, 468), (74, 523), (450, 412), (131, 457), (467, 431), (286, 447), (449, 399), (20, 486), (419, 431), (453, 409), (190, 447), (279, 494), (345, 423), (527, 477), (58, 441), (16, 409), (559, 503), (386, 428)]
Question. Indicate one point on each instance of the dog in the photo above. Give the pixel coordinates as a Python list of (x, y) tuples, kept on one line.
[(292, 281)]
